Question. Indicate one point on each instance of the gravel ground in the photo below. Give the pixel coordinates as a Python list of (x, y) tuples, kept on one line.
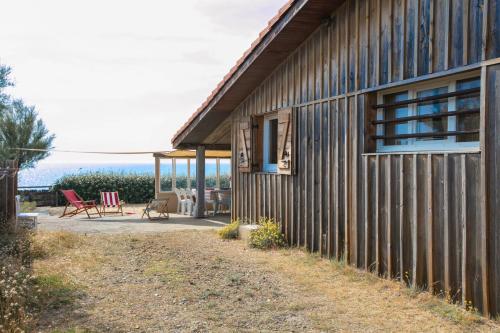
[(130, 223), (191, 281)]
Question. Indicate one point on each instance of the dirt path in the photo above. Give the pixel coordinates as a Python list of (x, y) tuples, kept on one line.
[(192, 281)]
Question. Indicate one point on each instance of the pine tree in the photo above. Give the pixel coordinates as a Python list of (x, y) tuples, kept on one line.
[(20, 127)]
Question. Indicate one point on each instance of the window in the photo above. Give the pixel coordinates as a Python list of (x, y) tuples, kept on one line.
[(266, 142), (270, 144), (440, 116)]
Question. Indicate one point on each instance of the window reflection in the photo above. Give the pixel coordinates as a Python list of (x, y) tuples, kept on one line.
[(438, 106)]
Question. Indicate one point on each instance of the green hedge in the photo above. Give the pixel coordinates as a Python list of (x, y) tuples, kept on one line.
[(132, 188)]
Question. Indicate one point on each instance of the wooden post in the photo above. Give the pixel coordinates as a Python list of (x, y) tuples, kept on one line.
[(157, 177), (200, 182), (8, 191)]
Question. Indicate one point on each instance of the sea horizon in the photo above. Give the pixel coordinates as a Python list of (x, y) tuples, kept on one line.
[(46, 174)]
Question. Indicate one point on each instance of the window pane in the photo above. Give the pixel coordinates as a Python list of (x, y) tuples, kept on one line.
[(273, 141), (468, 122), (437, 106), (394, 113)]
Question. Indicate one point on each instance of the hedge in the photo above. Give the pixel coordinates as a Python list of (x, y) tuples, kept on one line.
[(132, 188)]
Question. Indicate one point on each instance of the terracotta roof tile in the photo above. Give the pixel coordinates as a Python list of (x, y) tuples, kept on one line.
[(233, 70)]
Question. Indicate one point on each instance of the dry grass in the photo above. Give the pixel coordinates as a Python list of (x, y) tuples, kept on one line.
[(193, 281)]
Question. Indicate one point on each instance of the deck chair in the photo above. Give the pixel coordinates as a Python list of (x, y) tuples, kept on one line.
[(79, 205), (111, 200), (158, 205)]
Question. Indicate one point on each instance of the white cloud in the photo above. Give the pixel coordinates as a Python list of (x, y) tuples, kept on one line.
[(123, 75)]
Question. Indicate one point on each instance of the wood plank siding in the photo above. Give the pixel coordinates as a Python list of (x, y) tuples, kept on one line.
[(423, 217)]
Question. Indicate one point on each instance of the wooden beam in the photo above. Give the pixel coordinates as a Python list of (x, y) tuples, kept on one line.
[(414, 220), (366, 214), (401, 216), (447, 39), (465, 31), (446, 225), (484, 227), (463, 223), (377, 214), (431, 36), (429, 225), (388, 204)]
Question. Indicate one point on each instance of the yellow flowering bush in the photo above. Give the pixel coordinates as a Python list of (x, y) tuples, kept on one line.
[(267, 236), (231, 231)]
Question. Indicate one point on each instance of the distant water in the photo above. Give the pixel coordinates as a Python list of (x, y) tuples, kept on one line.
[(48, 174)]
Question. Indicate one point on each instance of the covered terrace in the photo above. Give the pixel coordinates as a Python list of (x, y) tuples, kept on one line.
[(187, 169)]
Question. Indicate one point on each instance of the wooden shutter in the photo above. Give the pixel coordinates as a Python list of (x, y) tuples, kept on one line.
[(285, 142), (245, 145)]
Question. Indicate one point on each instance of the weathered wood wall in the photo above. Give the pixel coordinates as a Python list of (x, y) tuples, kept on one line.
[(8, 191), (492, 181), (415, 216)]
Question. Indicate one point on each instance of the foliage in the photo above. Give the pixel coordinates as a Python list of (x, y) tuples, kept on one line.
[(267, 236), (230, 231), (20, 127), (28, 206), (132, 188), (5, 82)]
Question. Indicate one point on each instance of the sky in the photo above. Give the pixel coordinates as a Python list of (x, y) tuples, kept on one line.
[(123, 75)]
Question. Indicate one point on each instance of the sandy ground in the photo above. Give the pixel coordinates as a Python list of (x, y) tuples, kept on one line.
[(191, 281), (131, 222)]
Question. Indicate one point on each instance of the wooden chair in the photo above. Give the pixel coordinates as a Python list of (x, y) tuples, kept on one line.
[(111, 200), (80, 205), (158, 205), (224, 200), (210, 202)]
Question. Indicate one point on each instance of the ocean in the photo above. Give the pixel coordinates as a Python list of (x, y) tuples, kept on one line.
[(47, 174)]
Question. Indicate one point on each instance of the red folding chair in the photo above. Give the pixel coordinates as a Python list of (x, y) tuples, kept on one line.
[(80, 205), (111, 200)]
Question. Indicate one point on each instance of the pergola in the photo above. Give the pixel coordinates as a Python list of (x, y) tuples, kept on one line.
[(200, 155)]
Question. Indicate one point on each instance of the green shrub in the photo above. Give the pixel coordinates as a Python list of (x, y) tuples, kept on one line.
[(133, 188), (267, 236), (230, 231)]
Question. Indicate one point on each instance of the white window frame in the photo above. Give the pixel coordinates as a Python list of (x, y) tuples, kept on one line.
[(268, 167), (448, 143)]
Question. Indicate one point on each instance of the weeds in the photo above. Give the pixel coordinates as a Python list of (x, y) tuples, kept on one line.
[(16, 282), (55, 292), (231, 231), (28, 206), (166, 271), (267, 236), (55, 243)]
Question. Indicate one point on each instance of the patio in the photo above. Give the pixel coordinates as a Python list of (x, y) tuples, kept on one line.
[(131, 222)]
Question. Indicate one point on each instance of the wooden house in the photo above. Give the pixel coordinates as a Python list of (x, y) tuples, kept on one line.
[(370, 129)]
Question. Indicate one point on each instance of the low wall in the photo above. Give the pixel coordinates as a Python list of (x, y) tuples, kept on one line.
[(42, 197)]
